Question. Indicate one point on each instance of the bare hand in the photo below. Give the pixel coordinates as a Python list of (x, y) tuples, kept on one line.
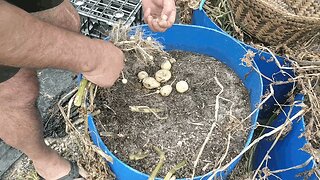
[(159, 14), (106, 65)]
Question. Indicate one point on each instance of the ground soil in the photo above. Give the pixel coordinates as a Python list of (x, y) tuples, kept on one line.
[(189, 116)]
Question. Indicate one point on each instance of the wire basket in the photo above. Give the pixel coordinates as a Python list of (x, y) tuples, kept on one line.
[(289, 22), (98, 16)]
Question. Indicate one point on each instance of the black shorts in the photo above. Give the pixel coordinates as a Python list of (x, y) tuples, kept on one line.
[(29, 6), (35, 5)]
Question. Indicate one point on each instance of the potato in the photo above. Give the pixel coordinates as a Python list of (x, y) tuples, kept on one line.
[(163, 75), (142, 75), (166, 90), (150, 83), (172, 60), (166, 65), (182, 86)]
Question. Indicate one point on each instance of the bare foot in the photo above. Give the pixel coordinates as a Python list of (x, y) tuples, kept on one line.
[(53, 166)]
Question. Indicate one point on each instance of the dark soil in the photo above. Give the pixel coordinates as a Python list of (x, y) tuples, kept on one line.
[(189, 116)]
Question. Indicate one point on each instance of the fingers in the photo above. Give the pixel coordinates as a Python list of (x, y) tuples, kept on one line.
[(149, 22), (154, 24), (168, 14), (160, 25), (160, 19), (147, 13), (157, 27), (172, 18), (167, 22), (149, 19)]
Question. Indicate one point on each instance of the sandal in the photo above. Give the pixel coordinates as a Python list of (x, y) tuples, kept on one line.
[(73, 173)]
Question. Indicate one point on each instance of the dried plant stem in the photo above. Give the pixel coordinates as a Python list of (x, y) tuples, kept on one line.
[(80, 93), (273, 144), (265, 126), (274, 131), (174, 170), (271, 94), (159, 165), (84, 140), (294, 167), (275, 59), (226, 152), (61, 108), (69, 109), (92, 95), (211, 129)]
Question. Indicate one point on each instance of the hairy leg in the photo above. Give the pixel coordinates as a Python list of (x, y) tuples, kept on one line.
[(19, 118), (23, 128)]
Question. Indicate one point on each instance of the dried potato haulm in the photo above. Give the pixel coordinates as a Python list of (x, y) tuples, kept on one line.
[(177, 123)]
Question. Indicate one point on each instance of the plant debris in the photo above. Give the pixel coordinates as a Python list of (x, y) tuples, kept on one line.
[(189, 116)]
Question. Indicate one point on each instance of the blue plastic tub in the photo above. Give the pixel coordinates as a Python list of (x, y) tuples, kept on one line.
[(203, 41), (287, 152)]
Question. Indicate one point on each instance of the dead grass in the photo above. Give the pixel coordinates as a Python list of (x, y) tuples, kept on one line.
[(185, 8)]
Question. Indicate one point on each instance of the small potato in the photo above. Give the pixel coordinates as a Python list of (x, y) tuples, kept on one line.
[(163, 75), (182, 86), (142, 75), (166, 90), (150, 83), (172, 60), (166, 65)]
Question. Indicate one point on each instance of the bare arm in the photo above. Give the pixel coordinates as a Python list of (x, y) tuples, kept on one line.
[(26, 41)]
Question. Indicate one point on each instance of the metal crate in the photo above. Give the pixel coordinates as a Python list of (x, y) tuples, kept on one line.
[(98, 16), (109, 11)]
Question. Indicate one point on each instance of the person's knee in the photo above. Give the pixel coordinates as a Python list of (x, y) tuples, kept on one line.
[(20, 91), (64, 16), (19, 97), (29, 96), (72, 18)]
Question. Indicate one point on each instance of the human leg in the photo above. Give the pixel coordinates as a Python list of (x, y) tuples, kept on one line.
[(19, 116), (22, 126)]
